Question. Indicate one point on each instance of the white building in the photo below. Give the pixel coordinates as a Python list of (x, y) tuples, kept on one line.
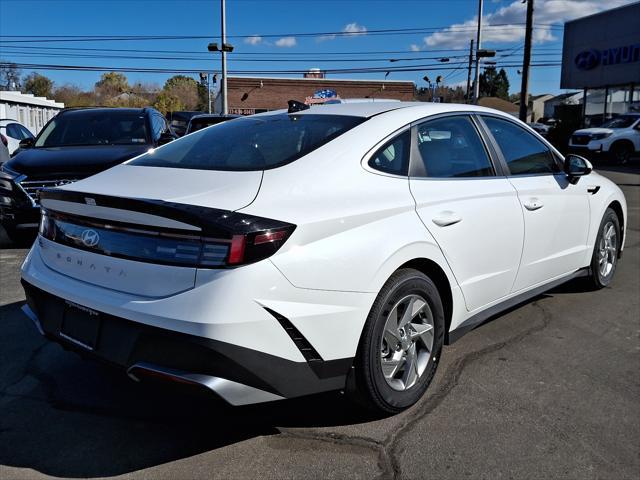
[(32, 112)]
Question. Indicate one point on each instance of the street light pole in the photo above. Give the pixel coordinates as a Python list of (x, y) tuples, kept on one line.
[(223, 83), (476, 84)]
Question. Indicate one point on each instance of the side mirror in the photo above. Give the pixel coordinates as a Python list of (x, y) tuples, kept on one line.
[(26, 143), (576, 166), (166, 137)]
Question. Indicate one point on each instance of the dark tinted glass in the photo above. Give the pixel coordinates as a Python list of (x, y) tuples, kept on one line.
[(13, 132), (451, 147), (200, 123), (623, 121), (104, 127), (25, 133), (393, 156), (252, 143), (523, 152)]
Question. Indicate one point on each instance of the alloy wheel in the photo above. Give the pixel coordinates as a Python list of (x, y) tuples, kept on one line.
[(608, 250), (407, 342)]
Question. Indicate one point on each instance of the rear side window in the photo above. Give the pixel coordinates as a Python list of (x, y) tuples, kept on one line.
[(523, 152), (252, 143), (451, 147), (393, 156)]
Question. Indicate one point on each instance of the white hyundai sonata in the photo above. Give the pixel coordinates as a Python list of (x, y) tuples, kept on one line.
[(331, 248)]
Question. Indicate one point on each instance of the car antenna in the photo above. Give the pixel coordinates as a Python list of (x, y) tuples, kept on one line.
[(296, 106)]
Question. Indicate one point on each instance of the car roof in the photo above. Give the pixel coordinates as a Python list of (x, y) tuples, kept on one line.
[(80, 110), (367, 110), (213, 115)]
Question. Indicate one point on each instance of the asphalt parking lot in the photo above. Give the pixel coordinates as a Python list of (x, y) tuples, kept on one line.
[(548, 390)]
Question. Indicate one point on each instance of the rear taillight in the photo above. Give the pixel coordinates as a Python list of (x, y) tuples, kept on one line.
[(239, 240), (4, 140)]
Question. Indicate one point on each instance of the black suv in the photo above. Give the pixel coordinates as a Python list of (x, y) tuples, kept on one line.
[(75, 144)]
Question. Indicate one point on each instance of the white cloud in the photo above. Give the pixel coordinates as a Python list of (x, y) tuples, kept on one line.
[(253, 40), (414, 47), (509, 22), (354, 30), (286, 42), (350, 30)]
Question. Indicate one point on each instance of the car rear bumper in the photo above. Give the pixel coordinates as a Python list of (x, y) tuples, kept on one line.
[(247, 331)]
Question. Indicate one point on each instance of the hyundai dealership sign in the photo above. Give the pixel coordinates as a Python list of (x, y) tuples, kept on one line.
[(588, 59), (602, 50)]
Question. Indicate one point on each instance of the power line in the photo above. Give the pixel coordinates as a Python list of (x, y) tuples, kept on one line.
[(376, 32), (415, 68)]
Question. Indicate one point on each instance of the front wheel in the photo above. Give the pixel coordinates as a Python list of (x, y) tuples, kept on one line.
[(401, 343), (605, 252), (621, 152)]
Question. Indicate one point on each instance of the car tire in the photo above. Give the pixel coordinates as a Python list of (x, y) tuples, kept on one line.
[(393, 370), (605, 251), (621, 152)]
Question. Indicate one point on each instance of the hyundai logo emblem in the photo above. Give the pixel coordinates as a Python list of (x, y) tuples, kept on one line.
[(587, 59), (90, 238)]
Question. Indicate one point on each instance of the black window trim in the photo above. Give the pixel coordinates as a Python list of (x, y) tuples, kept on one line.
[(555, 154), (415, 172), (371, 152)]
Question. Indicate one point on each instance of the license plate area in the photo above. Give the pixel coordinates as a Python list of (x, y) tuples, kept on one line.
[(80, 325)]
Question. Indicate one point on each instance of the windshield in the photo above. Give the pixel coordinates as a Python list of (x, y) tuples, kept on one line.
[(98, 127), (251, 143), (623, 121)]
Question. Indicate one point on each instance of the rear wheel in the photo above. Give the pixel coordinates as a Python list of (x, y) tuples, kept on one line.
[(401, 343), (605, 252)]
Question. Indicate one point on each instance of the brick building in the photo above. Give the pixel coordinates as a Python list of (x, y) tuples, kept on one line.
[(249, 95)]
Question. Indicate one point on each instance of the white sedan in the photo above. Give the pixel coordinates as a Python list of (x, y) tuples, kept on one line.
[(331, 248), (14, 132)]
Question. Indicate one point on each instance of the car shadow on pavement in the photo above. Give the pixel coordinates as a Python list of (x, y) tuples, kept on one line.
[(64, 416)]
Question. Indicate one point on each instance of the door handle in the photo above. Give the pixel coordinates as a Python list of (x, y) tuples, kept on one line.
[(446, 218), (533, 204)]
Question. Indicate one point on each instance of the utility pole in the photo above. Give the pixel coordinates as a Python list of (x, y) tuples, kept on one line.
[(476, 85), (223, 84), (209, 90), (469, 71), (526, 61)]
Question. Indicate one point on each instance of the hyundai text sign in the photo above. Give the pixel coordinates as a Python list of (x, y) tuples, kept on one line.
[(602, 50), (588, 59)]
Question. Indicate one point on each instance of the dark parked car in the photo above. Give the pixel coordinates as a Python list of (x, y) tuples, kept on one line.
[(180, 120), (198, 122), (75, 144)]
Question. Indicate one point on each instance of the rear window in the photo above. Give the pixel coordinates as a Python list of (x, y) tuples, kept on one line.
[(94, 127), (252, 143)]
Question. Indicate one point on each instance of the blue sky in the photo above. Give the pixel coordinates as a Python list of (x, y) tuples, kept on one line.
[(448, 25)]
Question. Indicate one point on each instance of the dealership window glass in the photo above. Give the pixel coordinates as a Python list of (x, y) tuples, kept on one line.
[(451, 147), (393, 156), (523, 152), (251, 143), (94, 127)]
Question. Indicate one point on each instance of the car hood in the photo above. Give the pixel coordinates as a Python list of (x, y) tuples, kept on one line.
[(206, 188), (592, 131), (80, 161)]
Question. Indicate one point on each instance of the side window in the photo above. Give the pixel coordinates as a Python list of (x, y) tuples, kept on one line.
[(523, 152), (14, 132), (393, 156), (451, 147), (25, 133)]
